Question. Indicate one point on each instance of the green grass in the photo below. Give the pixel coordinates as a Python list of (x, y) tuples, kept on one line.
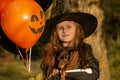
[(13, 69)]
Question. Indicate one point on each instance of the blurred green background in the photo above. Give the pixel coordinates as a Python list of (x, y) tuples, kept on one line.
[(13, 68), (111, 29)]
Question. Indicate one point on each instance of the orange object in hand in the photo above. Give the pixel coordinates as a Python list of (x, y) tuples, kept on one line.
[(23, 22)]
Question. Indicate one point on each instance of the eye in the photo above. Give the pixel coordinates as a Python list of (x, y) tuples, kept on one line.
[(34, 18), (60, 28), (69, 27)]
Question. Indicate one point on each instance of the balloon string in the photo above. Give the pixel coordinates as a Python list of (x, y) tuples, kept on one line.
[(29, 62), (27, 59), (21, 56)]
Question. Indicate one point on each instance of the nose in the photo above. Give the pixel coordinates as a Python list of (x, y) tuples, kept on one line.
[(64, 30)]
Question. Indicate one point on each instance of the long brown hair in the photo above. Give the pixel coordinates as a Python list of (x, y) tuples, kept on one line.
[(76, 46)]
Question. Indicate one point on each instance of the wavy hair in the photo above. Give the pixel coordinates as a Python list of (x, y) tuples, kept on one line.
[(76, 46)]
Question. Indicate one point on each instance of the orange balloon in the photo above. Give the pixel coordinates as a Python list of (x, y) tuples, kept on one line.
[(23, 22), (3, 4)]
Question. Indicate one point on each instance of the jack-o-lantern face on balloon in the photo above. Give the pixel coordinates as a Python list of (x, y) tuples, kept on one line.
[(35, 19), (23, 22)]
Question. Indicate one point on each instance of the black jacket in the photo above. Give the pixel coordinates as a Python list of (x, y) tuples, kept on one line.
[(84, 75)]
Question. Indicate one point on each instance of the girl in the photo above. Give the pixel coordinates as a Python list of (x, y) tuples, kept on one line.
[(67, 33)]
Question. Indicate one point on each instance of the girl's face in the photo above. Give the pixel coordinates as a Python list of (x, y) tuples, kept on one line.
[(66, 31)]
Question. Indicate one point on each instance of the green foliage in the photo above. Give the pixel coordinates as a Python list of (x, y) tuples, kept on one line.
[(14, 69), (111, 29), (112, 15)]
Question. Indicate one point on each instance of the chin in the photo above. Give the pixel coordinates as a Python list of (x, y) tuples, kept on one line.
[(66, 41)]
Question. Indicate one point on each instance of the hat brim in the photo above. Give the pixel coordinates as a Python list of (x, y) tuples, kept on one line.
[(87, 21)]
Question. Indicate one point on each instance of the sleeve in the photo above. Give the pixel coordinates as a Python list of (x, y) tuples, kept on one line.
[(94, 66), (94, 62)]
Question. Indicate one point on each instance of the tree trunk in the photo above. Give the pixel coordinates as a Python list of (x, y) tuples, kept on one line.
[(96, 40)]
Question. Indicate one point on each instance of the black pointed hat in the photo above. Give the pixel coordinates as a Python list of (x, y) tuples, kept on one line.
[(88, 22)]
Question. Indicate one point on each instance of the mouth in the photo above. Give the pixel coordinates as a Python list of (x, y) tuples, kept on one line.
[(39, 30), (65, 35)]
